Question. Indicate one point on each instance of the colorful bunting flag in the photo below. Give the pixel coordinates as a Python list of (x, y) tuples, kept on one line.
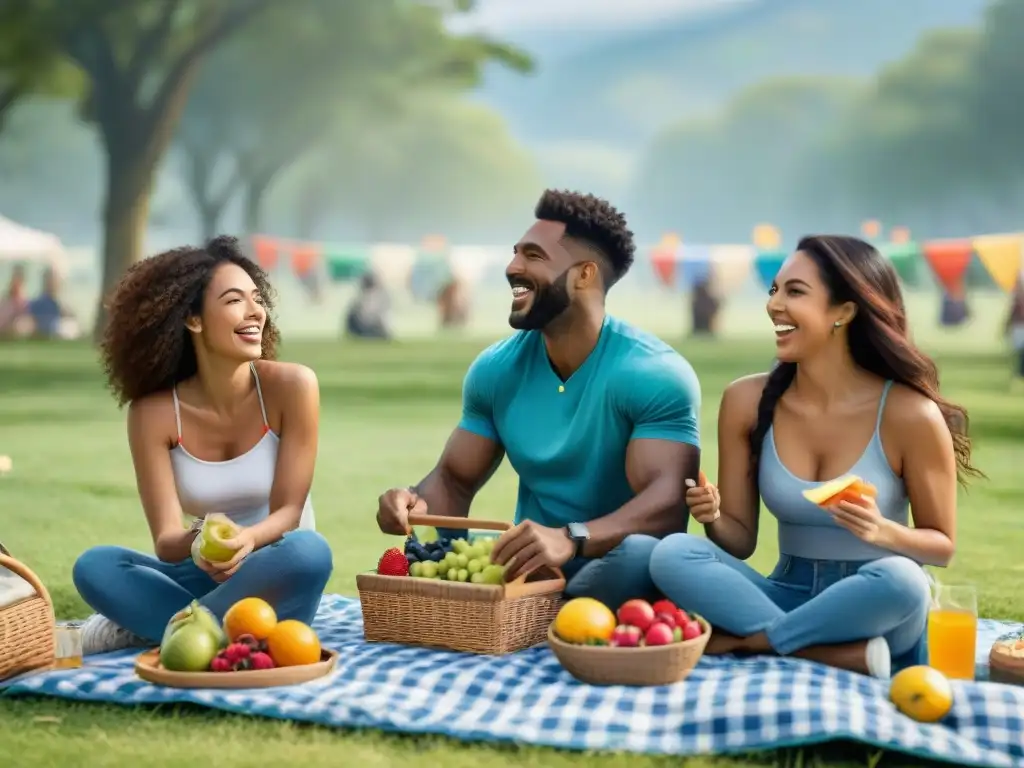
[(694, 266), (730, 267), (265, 251), (305, 258), (392, 263), (766, 237), (949, 260), (871, 229), (1001, 257), (346, 264), (664, 259), (767, 265), (904, 257)]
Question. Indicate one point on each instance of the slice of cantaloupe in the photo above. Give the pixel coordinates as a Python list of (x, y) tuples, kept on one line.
[(847, 488)]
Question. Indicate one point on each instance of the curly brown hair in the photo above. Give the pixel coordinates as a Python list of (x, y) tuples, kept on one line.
[(146, 347)]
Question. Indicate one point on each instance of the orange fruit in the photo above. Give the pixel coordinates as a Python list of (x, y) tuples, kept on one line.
[(921, 692), (584, 619), (292, 644), (250, 616)]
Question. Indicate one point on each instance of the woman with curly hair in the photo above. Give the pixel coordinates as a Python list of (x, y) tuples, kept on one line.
[(215, 424), (851, 395)]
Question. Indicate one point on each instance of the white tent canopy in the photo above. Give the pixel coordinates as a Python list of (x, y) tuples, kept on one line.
[(21, 243)]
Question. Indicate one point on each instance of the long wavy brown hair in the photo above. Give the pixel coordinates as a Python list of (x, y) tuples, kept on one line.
[(855, 271)]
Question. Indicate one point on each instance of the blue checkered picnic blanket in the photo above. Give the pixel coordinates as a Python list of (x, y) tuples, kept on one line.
[(726, 705)]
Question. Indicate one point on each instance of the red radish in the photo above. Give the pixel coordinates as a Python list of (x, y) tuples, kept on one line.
[(666, 618), (691, 630), (658, 634), (626, 636), (637, 613), (664, 606)]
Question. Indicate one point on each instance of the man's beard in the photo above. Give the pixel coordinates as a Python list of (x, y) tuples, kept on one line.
[(548, 304)]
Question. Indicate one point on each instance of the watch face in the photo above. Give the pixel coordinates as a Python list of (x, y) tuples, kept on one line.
[(578, 531)]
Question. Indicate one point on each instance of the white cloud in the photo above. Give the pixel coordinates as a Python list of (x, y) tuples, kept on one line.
[(504, 15)]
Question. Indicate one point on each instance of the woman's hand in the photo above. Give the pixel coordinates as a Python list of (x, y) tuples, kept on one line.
[(703, 501), (863, 520), (243, 544)]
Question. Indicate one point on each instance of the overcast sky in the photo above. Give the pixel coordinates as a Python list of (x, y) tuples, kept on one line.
[(495, 15)]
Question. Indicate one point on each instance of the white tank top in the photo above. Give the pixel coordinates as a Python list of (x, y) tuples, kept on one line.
[(239, 487)]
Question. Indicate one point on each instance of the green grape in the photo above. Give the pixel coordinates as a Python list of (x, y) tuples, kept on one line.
[(474, 566), (429, 569), (443, 566), (462, 560), (460, 546), (416, 569), (476, 578), (453, 574), (463, 574)]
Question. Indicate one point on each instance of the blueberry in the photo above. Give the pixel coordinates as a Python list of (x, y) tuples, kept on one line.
[(411, 558), (437, 556)]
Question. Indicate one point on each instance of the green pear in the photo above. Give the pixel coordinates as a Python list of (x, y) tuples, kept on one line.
[(190, 648), (195, 613), (217, 529)]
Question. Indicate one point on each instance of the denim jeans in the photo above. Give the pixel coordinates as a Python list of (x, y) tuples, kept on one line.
[(803, 602), (141, 593), (621, 575)]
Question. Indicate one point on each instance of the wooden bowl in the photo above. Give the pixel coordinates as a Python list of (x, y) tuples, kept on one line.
[(648, 665), (147, 666)]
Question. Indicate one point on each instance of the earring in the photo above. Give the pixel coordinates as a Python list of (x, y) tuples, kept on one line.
[(836, 324)]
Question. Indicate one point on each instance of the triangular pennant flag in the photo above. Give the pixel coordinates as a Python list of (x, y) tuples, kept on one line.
[(664, 257), (905, 258), (345, 264), (305, 257), (730, 267), (469, 263), (392, 263), (265, 249), (694, 266), (1001, 257), (767, 265), (949, 260)]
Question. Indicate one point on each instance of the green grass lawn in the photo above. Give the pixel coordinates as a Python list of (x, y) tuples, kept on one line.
[(387, 411)]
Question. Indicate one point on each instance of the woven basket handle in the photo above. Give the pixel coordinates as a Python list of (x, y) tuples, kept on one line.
[(466, 524), (459, 523), (20, 569)]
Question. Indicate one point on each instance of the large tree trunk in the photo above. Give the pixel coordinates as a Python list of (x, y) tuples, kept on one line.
[(252, 211)]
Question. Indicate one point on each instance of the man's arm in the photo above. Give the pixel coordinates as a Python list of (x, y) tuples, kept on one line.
[(465, 466)]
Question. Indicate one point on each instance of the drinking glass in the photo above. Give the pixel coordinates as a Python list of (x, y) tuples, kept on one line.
[(953, 630)]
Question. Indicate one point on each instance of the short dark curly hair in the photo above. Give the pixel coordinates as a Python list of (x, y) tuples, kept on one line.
[(146, 347), (594, 221)]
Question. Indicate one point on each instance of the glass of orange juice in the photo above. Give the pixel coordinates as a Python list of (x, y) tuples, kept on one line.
[(953, 630)]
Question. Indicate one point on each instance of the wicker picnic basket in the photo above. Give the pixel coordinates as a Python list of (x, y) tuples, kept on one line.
[(458, 616), (28, 640), (650, 665)]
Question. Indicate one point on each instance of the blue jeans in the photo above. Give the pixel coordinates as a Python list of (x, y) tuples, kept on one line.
[(803, 602), (140, 593), (621, 575)]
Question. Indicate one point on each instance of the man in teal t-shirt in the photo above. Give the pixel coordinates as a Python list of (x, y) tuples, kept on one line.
[(598, 419)]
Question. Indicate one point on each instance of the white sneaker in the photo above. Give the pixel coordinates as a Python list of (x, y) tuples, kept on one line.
[(879, 658), (101, 635)]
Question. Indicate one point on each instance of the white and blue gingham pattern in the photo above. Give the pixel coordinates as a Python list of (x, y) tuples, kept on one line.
[(726, 705)]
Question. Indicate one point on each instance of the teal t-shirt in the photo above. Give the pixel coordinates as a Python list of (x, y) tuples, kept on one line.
[(567, 440)]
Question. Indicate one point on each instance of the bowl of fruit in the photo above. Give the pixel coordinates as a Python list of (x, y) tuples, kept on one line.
[(639, 644), (249, 649)]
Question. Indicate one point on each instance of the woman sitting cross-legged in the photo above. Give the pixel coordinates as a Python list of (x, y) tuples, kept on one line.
[(214, 425), (850, 395)]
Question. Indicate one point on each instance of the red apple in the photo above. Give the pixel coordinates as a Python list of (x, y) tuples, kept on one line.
[(664, 606), (691, 630), (666, 618), (636, 613), (681, 617), (658, 634), (626, 636)]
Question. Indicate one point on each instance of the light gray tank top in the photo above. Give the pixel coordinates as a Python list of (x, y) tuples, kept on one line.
[(239, 487), (806, 530)]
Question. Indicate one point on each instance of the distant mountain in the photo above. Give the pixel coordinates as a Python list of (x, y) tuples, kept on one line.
[(608, 93)]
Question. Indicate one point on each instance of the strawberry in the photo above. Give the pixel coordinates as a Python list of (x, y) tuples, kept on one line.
[(393, 563), (220, 664), (235, 652), (260, 660)]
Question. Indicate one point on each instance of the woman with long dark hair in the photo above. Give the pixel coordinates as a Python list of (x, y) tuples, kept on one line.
[(851, 394)]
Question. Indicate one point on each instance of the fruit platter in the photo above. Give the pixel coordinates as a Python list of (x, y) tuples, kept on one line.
[(638, 644), (447, 593), (251, 648)]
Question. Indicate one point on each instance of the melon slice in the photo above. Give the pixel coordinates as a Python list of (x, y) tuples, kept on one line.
[(847, 488)]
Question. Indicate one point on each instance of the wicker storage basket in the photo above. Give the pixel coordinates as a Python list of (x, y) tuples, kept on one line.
[(458, 616), (650, 665), (28, 639)]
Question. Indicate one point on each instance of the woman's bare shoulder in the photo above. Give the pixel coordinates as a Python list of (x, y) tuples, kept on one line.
[(289, 380), (740, 399)]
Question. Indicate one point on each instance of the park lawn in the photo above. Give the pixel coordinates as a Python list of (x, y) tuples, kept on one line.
[(386, 412)]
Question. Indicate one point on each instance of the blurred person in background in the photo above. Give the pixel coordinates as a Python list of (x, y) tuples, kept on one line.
[(14, 318), (51, 319), (1014, 329), (368, 316), (453, 304), (704, 307), (215, 424), (851, 395)]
